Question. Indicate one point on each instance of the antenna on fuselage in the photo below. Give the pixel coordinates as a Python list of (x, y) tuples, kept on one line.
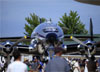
[(49, 21)]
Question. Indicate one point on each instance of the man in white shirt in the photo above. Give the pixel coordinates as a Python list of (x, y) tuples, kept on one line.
[(17, 65)]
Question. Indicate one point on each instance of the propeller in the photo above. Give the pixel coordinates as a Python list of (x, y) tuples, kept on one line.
[(9, 49), (91, 29), (80, 42)]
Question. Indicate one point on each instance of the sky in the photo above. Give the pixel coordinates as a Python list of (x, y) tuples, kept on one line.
[(13, 13)]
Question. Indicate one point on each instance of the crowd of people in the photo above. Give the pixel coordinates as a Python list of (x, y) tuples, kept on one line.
[(84, 65), (56, 64), (74, 65)]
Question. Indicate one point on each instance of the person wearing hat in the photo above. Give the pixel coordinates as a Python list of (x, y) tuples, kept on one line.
[(57, 64)]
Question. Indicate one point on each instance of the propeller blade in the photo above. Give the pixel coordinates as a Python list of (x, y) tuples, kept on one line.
[(18, 41), (2, 46), (78, 41), (91, 29), (75, 39)]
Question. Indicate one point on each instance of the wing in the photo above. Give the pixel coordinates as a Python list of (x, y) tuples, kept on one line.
[(94, 2), (14, 39), (86, 48), (8, 47)]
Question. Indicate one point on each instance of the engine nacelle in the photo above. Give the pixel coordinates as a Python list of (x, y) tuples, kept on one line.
[(36, 45), (90, 49), (7, 47)]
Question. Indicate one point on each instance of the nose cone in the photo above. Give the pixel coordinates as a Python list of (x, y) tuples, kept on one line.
[(51, 38)]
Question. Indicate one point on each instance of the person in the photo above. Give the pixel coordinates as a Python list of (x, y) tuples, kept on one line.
[(0, 65), (36, 64), (76, 66), (17, 65), (91, 64), (99, 65), (83, 65), (26, 61), (57, 64)]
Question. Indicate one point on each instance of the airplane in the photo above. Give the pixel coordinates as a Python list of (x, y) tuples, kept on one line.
[(93, 2), (45, 37)]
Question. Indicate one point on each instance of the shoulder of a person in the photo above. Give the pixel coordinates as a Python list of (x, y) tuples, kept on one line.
[(57, 57), (11, 64), (64, 59), (23, 63)]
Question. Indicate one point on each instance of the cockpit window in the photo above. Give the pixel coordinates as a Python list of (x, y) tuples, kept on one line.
[(50, 29)]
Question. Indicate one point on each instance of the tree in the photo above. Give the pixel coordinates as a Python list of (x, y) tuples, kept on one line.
[(71, 24), (33, 21)]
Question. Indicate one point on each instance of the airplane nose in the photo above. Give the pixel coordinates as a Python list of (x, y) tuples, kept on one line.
[(51, 38)]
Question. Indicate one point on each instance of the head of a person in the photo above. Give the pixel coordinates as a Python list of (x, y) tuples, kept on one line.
[(92, 58), (58, 51), (17, 55), (35, 59)]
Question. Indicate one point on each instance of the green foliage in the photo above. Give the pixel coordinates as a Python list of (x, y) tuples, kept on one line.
[(32, 21), (71, 24)]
